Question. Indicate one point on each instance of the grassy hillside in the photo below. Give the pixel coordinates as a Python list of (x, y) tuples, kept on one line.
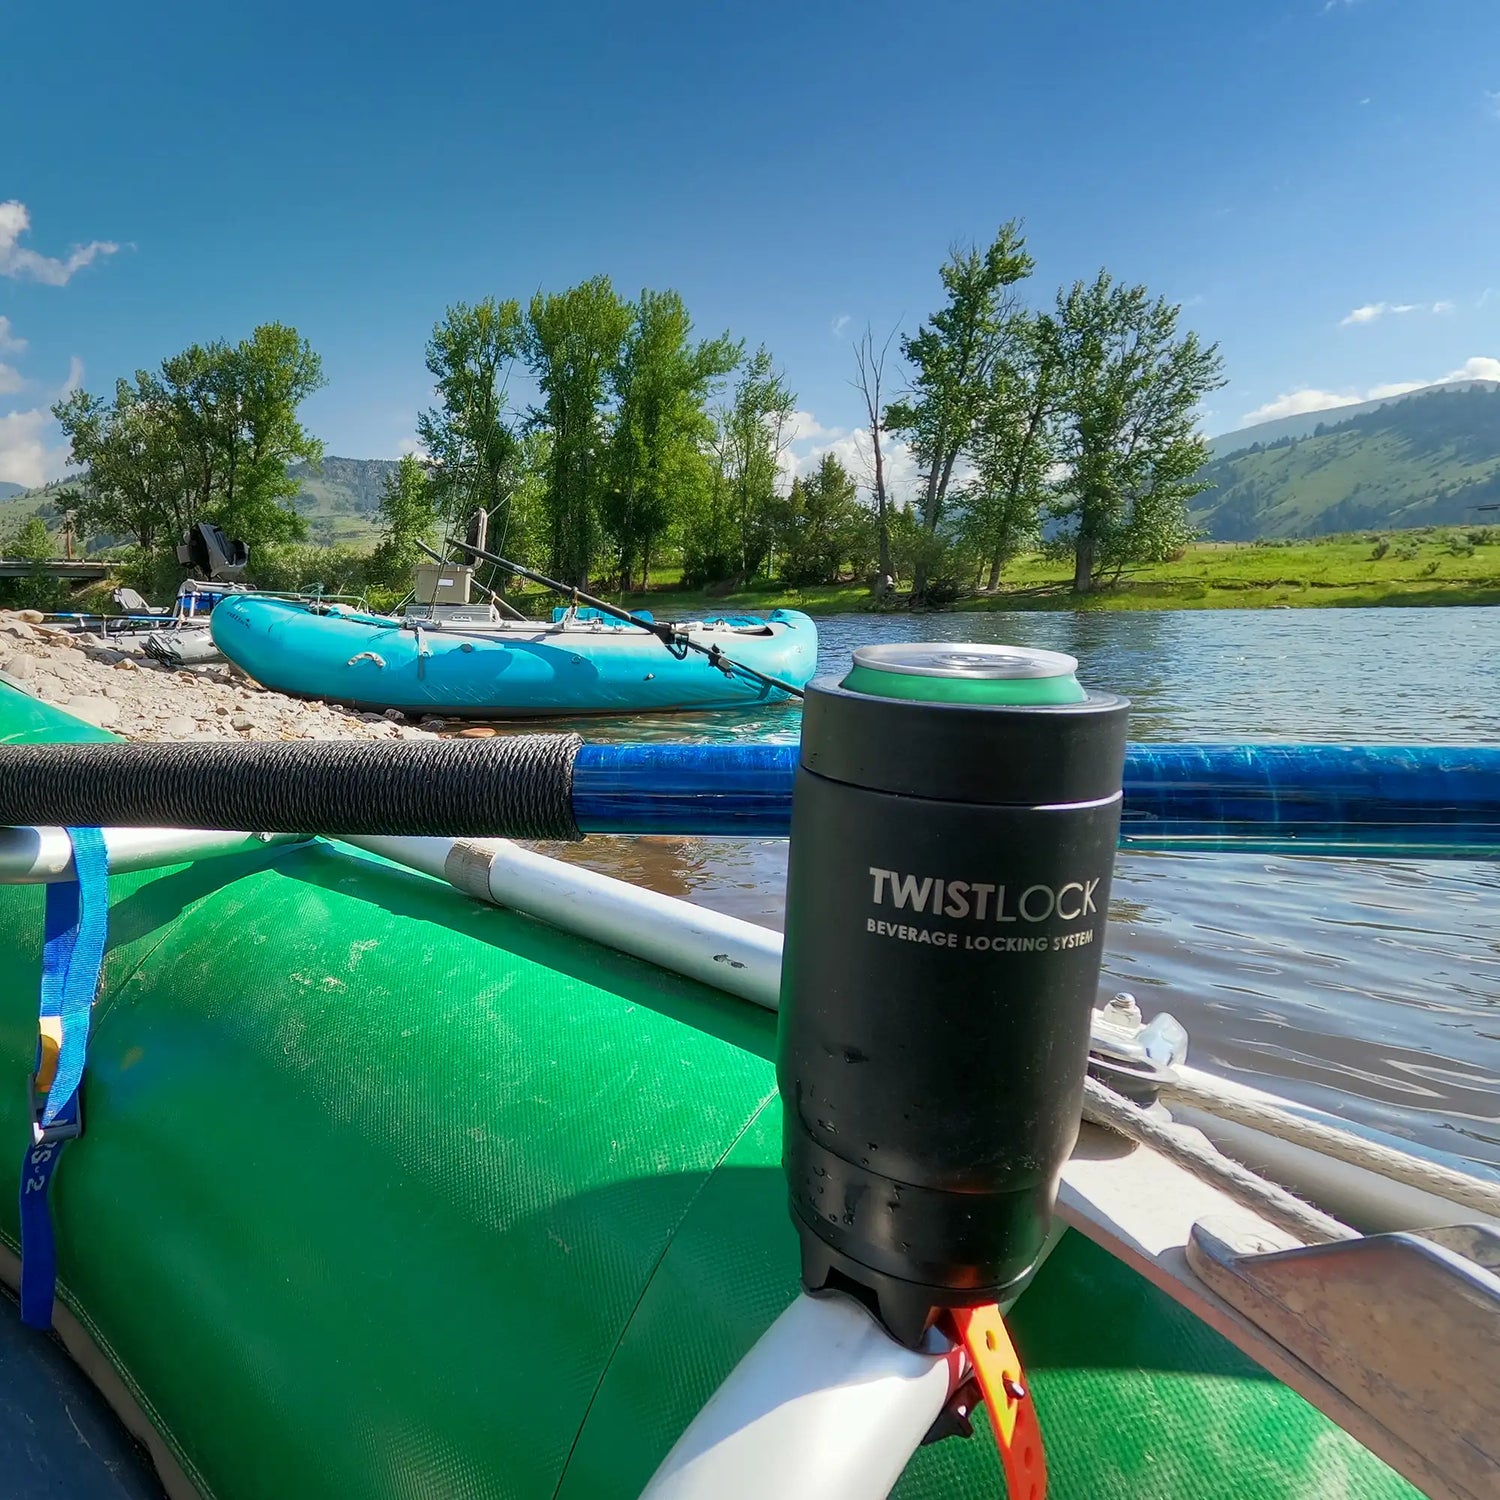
[(339, 502), (18, 507), (1429, 460), (1305, 423)]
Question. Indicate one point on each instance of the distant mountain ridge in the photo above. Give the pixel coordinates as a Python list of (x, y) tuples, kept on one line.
[(1305, 423), (1430, 458), (339, 501)]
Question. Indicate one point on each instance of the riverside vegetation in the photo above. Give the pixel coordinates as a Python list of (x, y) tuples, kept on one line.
[(641, 443), (1059, 464), (1425, 566)]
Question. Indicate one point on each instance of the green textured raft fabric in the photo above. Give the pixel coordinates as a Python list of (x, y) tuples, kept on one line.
[(389, 1194), (25, 720)]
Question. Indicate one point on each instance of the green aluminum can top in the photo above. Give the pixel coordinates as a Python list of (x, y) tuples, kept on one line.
[(974, 674)]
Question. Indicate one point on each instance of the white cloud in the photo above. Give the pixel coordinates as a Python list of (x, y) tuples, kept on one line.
[(806, 428), (9, 343), (74, 382), (851, 446), (839, 324), (1373, 310), (24, 455), (1492, 103), (1296, 403), (28, 265), (1479, 368)]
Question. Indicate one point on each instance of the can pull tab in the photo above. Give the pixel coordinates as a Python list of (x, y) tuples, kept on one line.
[(1013, 1420)]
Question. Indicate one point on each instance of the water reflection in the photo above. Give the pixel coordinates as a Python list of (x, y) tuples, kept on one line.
[(1372, 989)]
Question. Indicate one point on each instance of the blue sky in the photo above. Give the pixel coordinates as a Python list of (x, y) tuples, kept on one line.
[(173, 172)]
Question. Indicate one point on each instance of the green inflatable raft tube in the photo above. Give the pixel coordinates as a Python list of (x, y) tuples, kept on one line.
[(388, 1194)]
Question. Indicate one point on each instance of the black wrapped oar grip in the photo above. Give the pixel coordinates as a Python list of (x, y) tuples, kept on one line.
[(508, 787)]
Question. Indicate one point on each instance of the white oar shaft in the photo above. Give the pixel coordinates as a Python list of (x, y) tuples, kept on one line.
[(725, 953)]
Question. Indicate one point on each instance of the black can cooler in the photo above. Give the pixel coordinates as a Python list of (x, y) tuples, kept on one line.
[(954, 824)]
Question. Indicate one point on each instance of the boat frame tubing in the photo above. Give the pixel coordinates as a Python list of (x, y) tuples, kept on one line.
[(1382, 801), (744, 959), (722, 952), (826, 1403), (1370, 801), (44, 856)]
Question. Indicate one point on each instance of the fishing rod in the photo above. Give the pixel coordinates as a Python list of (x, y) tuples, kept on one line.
[(675, 640)]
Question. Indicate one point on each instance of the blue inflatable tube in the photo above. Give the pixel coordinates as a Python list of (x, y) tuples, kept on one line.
[(1378, 801)]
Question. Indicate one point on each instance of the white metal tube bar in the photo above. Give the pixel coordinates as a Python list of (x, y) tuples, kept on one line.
[(826, 1406), (745, 960), (30, 856), (725, 953)]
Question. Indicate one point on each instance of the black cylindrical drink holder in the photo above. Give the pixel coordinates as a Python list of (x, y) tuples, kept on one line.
[(954, 822)]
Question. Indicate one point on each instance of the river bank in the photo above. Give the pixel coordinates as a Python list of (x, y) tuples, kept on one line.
[(115, 686), (1432, 566)]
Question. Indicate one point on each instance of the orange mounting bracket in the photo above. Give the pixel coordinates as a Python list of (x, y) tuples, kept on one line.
[(1018, 1435)]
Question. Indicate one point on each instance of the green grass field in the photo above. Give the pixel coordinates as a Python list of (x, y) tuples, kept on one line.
[(1425, 567)]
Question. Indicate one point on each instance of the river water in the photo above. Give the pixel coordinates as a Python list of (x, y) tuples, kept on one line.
[(1370, 988)]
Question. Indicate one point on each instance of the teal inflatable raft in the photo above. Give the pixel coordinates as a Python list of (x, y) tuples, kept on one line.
[(579, 663)]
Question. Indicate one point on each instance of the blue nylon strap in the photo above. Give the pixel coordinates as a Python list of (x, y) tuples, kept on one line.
[(75, 926)]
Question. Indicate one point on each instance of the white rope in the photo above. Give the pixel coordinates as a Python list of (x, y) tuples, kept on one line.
[(1473, 1193), (1189, 1150)]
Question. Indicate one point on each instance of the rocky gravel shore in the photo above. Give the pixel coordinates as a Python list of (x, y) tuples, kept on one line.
[(115, 685)]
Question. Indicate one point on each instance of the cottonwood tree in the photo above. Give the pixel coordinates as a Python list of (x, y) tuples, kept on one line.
[(731, 534), (572, 341), (657, 463), (407, 517), (1015, 445), (473, 453), (952, 358), (1128, 435), (208, 436), (132, 485), (869, 382), (821, 525)]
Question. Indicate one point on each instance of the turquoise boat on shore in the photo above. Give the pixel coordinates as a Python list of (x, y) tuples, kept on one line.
[(487, 668)]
